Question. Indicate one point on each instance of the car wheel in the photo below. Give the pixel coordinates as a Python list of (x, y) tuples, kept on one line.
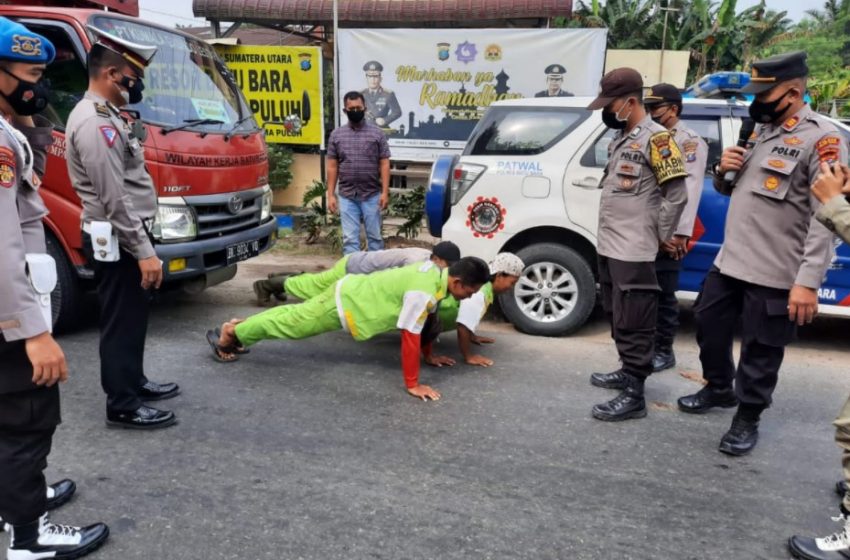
[(555, 294)]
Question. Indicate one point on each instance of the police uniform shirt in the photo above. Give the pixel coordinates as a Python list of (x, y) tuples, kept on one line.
[(643, 193), (695, 154), (21, 232), (106, 163), (381, 104), (545, 93), (771, 237)]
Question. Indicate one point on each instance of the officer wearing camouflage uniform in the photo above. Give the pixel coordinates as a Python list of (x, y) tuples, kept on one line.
[(832, 189), (106, 164), (554, 82), (31, 363), (664, 103), (643, 195), (382, 107), (775, 254)]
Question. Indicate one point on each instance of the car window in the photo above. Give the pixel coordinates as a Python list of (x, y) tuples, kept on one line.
[(522, 131), (708, 128), (67, 75)]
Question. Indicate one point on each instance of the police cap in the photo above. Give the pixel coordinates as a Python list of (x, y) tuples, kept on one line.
[(555, 70), (137, 55), (663, 93), (617, 83), (19, 44), (770, 72), (373, 68)]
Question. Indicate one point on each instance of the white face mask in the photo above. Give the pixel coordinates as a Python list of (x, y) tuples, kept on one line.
[(125, 95)]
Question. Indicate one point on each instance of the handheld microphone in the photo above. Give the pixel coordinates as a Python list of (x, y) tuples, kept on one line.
[(747, 128)]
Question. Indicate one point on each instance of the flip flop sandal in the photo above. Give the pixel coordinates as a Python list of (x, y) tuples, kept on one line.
[(213, 339), (235, 349)]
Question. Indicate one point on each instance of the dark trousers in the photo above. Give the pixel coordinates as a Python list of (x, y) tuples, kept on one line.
[(667, 271), (27, 422), (765, 331), (124, 309), (630, 300)]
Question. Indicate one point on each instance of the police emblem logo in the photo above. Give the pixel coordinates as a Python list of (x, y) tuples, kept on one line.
[(7, 175), (771, 183), (101, 241), (26, 45), (626, 184), (109, 134), (792, 141), (776, 163), (635, 146), (690, 149), (829, 149), (493, 53), (665, 158)]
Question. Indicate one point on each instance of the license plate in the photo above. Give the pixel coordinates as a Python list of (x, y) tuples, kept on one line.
[(242, 251)]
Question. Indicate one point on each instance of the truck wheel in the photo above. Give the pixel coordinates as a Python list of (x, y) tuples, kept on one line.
[(65, 298), (555, 294)]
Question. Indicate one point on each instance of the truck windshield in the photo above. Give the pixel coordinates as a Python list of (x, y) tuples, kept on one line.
[(186, 84)]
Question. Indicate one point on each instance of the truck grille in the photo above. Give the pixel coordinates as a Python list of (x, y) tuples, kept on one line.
[(215, 215)]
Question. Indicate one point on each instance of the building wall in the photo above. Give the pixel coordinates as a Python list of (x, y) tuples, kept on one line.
[(305, 168)]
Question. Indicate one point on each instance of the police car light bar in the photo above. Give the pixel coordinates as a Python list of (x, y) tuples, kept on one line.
[(720, 85)]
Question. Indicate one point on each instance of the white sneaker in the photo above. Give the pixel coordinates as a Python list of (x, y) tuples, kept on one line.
[(54, 541), (833, 547)]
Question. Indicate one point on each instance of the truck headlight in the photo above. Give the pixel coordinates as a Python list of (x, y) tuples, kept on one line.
[(174, 223), (266, 212)]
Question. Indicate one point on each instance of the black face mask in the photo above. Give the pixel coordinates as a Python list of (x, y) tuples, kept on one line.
[(768, 112), (658, 119), (611, 121), (134, 90), (355, 115), (28, 98)]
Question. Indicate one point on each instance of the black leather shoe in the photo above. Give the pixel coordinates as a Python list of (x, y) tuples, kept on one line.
[(153, 391), (705, 399), (627, 405), (741, 438), (664, 359), (60, 493), (832, 547), (613, 380), (841, 488), (144, 418), (50, 540)]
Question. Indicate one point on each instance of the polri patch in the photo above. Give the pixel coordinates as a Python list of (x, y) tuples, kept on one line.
[(665, 158), (829, 149), (109, 134), (7, 167), (771, 183), (26, 45)]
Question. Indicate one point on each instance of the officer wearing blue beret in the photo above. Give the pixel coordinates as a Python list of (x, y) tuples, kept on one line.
[(32, 363), (554, 82)]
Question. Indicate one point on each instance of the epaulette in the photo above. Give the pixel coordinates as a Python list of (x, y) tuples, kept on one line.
[(101, 110)]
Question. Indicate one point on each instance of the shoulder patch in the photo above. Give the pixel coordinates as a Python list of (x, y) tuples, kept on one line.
[(7, 167), (829, 149), (109, 134), (665, 157), (101, 110)]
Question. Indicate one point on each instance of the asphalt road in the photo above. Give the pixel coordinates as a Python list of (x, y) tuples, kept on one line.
[(312, 450)]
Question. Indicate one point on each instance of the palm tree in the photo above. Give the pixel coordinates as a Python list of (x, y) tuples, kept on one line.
[(833, 10)]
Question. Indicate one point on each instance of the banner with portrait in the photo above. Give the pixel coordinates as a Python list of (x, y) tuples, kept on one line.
[(427, 88)]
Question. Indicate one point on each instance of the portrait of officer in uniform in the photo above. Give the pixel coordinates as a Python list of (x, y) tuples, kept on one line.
[(643, 196), (382, 107), (554, 82), (31, 362), (106, 164), (775, 253)]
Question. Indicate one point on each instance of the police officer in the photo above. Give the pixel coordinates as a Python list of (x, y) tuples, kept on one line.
[(643, 195), (664, 103), (382, 107), (32, 363), (774, 254), (554, 81), (107, 168)]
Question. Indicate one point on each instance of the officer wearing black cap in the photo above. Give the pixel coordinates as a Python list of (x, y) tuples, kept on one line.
[(106, 164), (554, 81), (643, 195), (664, 103), (31, 363), (382, 107), (774, 255)]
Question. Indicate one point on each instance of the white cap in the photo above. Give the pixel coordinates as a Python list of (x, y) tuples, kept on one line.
[(507, 263)]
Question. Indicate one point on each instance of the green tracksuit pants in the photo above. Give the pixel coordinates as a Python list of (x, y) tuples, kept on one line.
[(306, 286), (315, 316)]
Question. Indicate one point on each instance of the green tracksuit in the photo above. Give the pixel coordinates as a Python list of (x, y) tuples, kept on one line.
[(364, 305), (468, 312)]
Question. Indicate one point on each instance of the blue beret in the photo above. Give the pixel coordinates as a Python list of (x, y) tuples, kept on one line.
[(19, 44)]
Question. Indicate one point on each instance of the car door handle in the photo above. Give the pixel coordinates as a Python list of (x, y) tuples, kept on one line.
[(587, 183)]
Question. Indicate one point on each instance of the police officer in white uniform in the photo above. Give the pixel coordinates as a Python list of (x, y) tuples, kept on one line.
[(664, 103), (643, 195), (31, 363), (775, 254), (106, 164)]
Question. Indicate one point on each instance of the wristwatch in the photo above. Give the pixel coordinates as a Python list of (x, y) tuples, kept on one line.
[(715, 169)]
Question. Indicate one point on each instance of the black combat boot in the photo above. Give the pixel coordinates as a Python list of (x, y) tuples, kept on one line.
[(707, 398), (833, 547), (664, 358), (613, 380), (628, 404), (743, 435)]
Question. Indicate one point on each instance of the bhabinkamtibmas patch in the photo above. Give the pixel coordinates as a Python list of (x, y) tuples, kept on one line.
[(665, 158)]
